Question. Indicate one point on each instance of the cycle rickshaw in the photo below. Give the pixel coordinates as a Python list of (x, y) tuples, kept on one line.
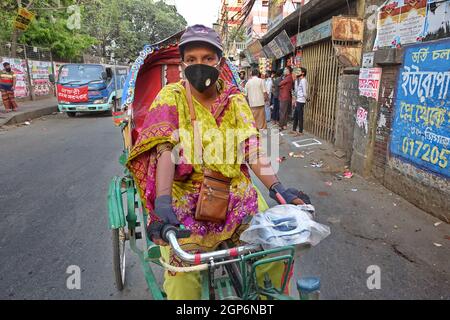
[(156, 66)]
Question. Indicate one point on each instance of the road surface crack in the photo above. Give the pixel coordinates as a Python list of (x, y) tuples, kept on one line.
[(401, 254)]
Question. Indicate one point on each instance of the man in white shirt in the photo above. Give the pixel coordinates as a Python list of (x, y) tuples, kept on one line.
[(256, 92), (269, 85), (301, 93)]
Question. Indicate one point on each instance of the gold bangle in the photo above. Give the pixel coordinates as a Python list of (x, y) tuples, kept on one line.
[(163, 147)]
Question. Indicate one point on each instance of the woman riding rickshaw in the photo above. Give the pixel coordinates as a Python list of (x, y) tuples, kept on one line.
[(190, 161)]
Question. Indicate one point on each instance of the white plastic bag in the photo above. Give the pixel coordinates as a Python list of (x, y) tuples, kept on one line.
[(285, 225)]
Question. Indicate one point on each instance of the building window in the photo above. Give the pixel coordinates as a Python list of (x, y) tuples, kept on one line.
[(265, 3)]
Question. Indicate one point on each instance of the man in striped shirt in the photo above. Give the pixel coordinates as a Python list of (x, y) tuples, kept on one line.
[(7, 85)]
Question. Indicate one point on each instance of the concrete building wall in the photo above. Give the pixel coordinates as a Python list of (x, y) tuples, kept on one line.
[(364, 130)]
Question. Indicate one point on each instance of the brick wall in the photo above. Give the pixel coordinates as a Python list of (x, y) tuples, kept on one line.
[(348, 102), (384, 120)]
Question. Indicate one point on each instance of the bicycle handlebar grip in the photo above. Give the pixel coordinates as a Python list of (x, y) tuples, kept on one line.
[(179, 233)]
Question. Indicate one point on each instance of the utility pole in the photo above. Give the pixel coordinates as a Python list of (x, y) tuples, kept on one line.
[(15, 35)]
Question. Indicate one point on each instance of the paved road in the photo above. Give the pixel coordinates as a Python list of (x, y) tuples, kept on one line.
[(54, 177)]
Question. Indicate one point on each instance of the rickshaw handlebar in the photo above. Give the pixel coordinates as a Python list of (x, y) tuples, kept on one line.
[(169, 234)]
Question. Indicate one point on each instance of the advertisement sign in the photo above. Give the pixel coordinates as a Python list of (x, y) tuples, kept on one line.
[(23, 19), (19, 67), (421, 124), (438, 20), (256, 50), (56, 66), (275, 12), (368, 59), (39, 71), (66, 94), (284, 43), (401, 22), (268, 52), (317, 33), (369, 82), (277, 51)]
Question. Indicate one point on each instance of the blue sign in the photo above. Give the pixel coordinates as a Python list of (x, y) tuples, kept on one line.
[(421, 126), (317, 33)]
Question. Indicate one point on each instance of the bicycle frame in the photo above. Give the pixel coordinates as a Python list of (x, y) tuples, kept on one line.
[(247, 258)]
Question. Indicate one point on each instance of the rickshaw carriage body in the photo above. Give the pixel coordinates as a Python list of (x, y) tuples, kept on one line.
[(156, 66)]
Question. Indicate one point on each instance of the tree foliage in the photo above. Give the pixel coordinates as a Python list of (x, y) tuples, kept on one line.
[(123, 27), (109, 28)]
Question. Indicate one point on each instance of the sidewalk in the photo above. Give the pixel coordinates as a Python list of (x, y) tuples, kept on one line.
[(28, 110), (370, 226)]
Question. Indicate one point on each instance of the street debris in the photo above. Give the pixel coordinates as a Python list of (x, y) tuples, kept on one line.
[(437, 224), (281, 159), (27, 123), (309, 152), (329, 183), (317, 164), (339, 176), (395, 227), (334, 220), (323, 194), (354, 190), (447, 237), (395, 204), (348, 174), (339, 154), (296, 155), (437, 245)]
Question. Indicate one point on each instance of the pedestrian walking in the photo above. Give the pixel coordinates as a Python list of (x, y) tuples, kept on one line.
[(269, 103), (286, 86), (7, 85), (301, 94), (275, 94), (243, 79), (256, 93)]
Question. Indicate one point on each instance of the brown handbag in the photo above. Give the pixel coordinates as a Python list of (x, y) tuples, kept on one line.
[(214, 194)]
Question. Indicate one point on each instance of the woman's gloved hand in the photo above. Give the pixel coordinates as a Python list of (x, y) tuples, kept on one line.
[(164, 211), (288, 196)]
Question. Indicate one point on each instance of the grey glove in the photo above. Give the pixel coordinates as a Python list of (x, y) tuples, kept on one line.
[(164, 211), (289, 195)]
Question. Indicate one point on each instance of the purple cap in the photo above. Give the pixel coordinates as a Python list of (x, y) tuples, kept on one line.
[(201, 33)]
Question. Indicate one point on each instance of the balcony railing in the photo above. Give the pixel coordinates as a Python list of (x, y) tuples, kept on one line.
[(240, 45)]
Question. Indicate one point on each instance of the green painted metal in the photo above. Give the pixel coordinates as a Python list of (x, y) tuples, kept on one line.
[(251, 290), (288, 258), (115, 204), (205, 284), (275, 295), (131, 198), (148, 273), (223, 287), (123, 158)]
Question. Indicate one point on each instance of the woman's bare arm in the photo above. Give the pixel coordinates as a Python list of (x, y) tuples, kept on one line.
[(264, 171), (165, 173)]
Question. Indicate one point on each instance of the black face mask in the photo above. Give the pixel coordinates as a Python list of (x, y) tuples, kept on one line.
[(201, 76), (7, 69)]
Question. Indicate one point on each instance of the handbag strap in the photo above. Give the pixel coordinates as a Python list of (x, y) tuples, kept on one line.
[(197, 140), (189, 101)]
